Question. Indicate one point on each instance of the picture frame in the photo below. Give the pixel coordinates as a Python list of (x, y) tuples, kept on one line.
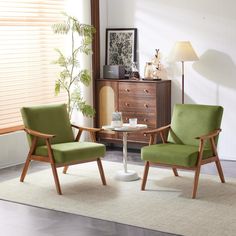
[(116, 119), (121, 47)]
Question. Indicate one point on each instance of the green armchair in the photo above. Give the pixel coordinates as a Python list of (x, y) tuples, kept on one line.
[(51, 140), (187, 143)]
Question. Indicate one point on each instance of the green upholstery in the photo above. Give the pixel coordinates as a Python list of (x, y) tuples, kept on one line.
[(73, 151), (54, 119), (188, 122), (55, 142), (48, 119), (173, 154)]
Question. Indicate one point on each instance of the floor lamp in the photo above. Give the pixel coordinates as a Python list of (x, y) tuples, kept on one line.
[(183, 51)]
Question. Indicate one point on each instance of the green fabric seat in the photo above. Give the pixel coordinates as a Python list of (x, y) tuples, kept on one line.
[(73, 151), (48, 119), (51, 139), (188, 122), (189, 142), (173, 154), (54, 119), (192, 120)]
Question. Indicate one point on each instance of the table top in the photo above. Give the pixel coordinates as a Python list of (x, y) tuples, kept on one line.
[(125, 127)]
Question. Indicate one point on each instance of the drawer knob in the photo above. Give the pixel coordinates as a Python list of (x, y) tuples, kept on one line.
[(127, 104), (127, 90), (146, 105), (146, 91), (145, 119)]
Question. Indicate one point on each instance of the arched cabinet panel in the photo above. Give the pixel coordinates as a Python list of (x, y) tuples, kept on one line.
[(106, 105)]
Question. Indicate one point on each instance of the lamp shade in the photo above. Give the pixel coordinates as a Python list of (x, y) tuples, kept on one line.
[(183, 51)]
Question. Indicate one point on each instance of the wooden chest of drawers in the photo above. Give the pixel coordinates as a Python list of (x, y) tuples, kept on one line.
[(149, 101)]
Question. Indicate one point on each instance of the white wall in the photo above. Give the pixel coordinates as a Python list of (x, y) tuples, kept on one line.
[(13, 149), (210, 26)]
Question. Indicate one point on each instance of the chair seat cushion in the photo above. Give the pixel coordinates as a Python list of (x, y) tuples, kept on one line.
[(73, 151), (173, 154)]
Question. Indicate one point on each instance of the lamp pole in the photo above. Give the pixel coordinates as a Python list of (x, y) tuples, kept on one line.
[(182, 82)]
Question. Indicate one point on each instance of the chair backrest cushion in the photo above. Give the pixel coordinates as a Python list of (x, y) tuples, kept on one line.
[(192, 120), (49, 119)]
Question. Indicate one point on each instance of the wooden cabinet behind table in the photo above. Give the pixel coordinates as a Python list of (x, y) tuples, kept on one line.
[(149, 101)]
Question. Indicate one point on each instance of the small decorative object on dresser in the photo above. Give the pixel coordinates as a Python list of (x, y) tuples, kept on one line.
[(148, 101), (156, 64), (134, 71), (113, 71), (148, 71)]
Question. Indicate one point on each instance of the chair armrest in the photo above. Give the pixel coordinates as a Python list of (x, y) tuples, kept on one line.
[(86, 128), (209, 135), (38, 134), (153, 134), (91, 131), (202, 142), (158, 130)]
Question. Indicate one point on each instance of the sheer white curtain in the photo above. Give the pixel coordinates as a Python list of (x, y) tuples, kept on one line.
[(27, 43), (26, 53)]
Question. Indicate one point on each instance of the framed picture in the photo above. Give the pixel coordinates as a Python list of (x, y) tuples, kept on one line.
[(121, 45), (116, 119)]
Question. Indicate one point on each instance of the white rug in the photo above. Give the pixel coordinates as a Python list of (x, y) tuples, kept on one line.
[(166, 205)]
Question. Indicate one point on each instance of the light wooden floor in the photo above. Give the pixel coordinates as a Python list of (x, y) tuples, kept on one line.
[(18, 219)]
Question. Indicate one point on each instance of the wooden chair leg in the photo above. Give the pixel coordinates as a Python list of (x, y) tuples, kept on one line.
[(175, 171), (196, 178), (28, 160), (56, 179), (25, 169), (65, 169), (99, 162), (145, 174), (220, 171)]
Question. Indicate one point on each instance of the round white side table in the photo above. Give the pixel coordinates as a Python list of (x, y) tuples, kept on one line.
[(125, 174)]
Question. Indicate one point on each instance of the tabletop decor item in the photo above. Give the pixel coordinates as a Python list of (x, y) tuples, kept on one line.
[(121, 44), (148, 71), (116, 119), (134, 72), (156, 61)]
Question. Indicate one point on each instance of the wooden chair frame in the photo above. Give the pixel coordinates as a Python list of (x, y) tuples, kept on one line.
[(163, 131), (50, 158)]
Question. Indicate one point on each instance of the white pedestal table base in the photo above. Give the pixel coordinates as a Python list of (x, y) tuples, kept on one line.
[(130, 175)]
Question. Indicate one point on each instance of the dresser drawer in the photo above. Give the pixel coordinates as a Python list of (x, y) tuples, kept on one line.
[(143, 118), (137, 104), (137, 89)]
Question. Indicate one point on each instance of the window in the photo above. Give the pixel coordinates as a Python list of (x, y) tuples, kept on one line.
[(27, 74)]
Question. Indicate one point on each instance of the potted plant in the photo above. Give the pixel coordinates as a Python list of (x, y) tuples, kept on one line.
[(71, 75)]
